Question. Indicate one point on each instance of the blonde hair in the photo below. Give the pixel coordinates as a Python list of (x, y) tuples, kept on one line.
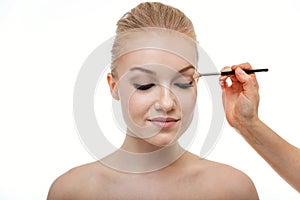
[(155, 14), (150, 15)]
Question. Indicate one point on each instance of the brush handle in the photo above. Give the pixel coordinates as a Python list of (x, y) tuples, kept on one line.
[(248, 71)]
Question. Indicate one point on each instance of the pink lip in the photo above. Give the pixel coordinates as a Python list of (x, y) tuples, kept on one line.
[(163, 122)]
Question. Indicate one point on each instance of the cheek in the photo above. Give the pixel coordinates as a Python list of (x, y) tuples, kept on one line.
[(187, 101), (139, 104), (134, 105), (127, 103)]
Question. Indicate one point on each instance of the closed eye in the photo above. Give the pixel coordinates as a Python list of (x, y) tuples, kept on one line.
[(184, 85), (143, 87)]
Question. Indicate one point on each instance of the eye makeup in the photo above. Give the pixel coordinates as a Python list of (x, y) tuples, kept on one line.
[(184, 85), (143, 87), (145, 79)]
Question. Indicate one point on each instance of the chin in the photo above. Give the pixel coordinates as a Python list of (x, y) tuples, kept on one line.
[(162, 140)]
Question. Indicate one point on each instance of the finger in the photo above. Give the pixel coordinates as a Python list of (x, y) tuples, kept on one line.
[(222, 82), (233, 78), (242, 66), (222, 79), (249, 81), (245, 66), (226, 68)]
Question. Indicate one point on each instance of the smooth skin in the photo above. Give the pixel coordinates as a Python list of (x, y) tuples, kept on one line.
[(241, 101), (189, 177)]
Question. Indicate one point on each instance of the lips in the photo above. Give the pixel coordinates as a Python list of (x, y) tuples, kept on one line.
[(164, 122)]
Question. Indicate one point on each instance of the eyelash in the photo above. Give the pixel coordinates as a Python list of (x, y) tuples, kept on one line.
[(148, 86), (143, 87), (184, 85)]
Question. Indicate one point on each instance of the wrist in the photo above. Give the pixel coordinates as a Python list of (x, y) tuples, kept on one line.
[(253, 131), (249, 126)]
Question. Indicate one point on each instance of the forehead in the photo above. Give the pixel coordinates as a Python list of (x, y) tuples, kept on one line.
[(151, 57), (154, 45)]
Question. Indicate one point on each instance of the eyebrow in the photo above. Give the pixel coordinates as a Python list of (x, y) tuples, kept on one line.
[(186, 68), (143, 70), (153, 73)]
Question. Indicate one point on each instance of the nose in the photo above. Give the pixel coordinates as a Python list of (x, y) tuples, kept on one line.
[(166, 101)]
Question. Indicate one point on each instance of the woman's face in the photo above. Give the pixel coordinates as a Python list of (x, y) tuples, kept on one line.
[(158, 93)]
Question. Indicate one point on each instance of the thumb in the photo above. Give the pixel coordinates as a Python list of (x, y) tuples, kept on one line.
[(247, 81), (241, 75)]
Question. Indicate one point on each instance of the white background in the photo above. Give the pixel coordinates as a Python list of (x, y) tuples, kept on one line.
[(43, 45)]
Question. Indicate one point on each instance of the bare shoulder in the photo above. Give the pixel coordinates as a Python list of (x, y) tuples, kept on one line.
[(236, 183), (71, 184), (225, 181)]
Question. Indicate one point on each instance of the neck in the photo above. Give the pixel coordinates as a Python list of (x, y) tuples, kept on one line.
[(138, 145), (138, 156)]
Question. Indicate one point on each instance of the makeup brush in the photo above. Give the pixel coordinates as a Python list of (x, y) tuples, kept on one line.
[(228, 73)]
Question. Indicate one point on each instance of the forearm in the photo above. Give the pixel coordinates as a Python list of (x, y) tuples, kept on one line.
[(282, 156)]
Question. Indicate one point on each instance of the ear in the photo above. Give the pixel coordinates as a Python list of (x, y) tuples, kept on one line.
[(113, 86)]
